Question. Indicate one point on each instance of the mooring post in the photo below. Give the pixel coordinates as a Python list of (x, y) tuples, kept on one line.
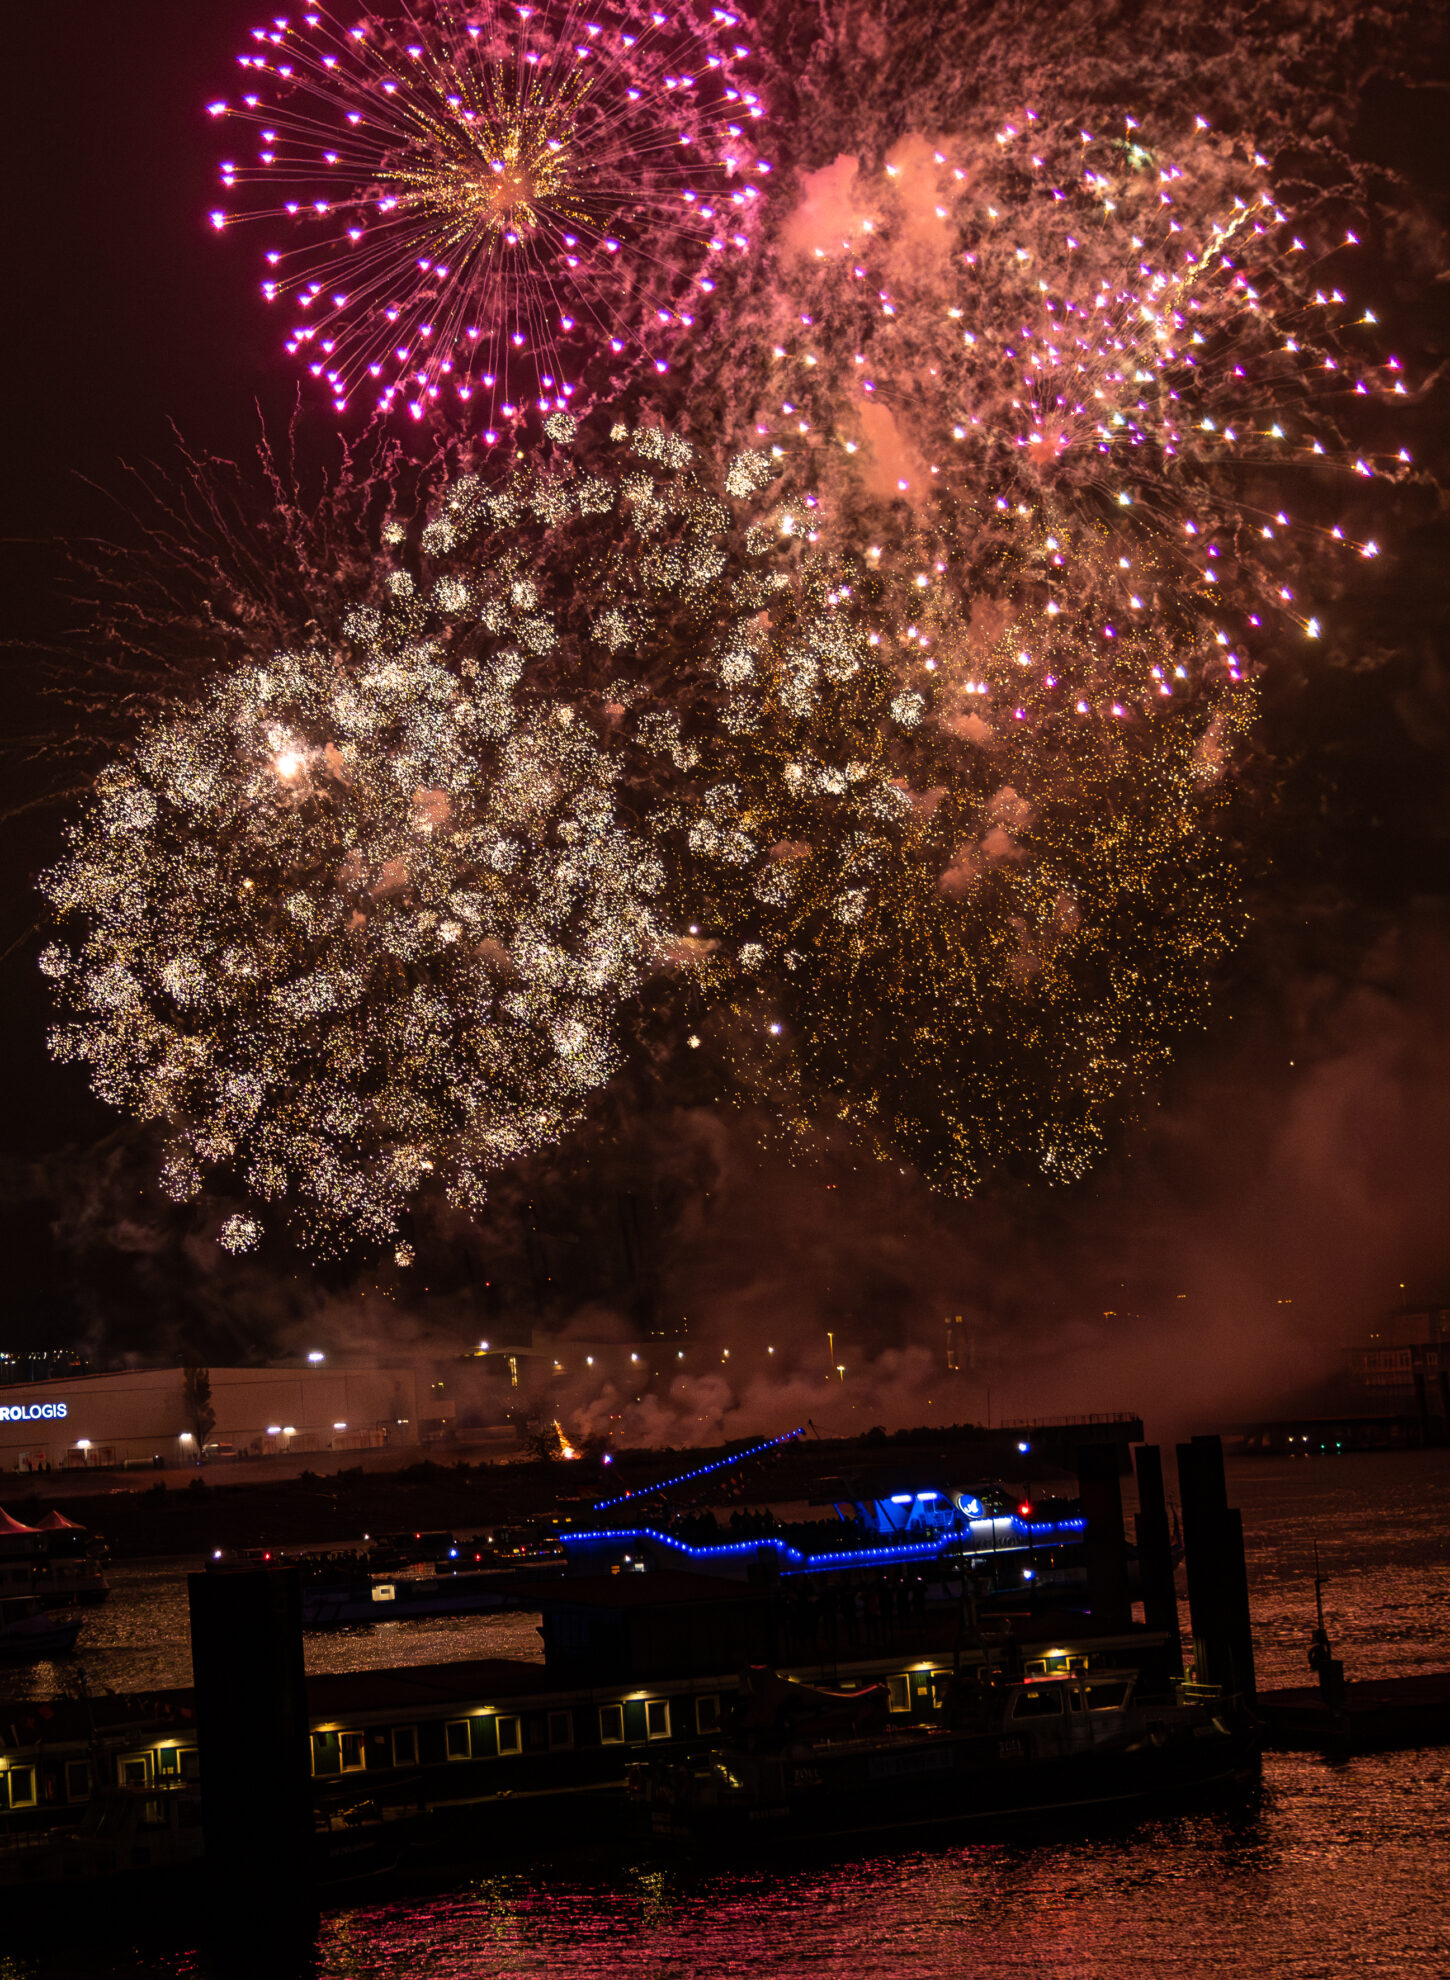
[(1101, 1497), (251, 1712), (1218, 1586), (1155, 1553)]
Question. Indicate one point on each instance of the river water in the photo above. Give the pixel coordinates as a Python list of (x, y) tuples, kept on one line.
[(1331, 1870)]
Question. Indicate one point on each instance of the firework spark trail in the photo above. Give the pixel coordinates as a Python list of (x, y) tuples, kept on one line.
[(357, 921), (489, 200), (1112, 390)]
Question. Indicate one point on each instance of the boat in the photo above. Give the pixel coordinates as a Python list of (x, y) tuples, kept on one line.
[(806, 1762), (29, 1632), (125, 1833), (370, 1598), (52, 1560)]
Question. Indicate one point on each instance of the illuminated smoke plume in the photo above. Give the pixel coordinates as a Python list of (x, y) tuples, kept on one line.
[(467, 207)]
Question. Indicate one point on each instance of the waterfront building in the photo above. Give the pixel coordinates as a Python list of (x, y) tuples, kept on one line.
[(140, 1417)]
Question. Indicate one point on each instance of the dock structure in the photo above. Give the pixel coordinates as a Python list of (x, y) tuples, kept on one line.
[(646, 1654)]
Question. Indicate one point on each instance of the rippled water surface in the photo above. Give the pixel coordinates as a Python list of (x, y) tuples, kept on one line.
[(1329, 1871)]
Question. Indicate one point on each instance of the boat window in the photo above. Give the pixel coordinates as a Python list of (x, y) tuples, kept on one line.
[(1106, 1697), (941, 1684), (707, 1714), (136, 1770), (168, 1760), (354, 1753), (611, 1725), (657, 1718), (457, 1738), (22, 1786), (898, 1693), (508, 1735), (1038, 1702), (561, 1729), (77, 1780), (405, 1746)]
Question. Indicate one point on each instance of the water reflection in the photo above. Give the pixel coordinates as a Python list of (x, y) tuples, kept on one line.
[(1323, 1872)]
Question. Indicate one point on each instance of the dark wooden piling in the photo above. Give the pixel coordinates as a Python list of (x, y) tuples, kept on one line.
[(252, 1727), (1155, 1552), (1101, 1495), (1218, 1587)]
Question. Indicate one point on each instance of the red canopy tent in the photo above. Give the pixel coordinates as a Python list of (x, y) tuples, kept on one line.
[(11, 1526), (56, 1522)]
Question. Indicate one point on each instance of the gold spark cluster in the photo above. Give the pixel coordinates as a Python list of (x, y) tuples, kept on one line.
[(911, 888), (357, 921)]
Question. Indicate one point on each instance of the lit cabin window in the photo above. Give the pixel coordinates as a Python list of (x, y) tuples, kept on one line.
[(22, 1786), (508, 1735), (611, 1725), (707, 1714), (456, 1736), (657, 1718), (1038, 1702), (898, 1693), (354, 1753)]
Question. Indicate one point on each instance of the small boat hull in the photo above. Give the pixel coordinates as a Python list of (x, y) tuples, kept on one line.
[(30, 1638)]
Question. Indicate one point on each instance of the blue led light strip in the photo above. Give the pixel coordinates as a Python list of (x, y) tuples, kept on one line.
[(721, 1464), (912, 1550)]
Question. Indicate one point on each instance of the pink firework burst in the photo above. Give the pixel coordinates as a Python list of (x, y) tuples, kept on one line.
[(474, 204)]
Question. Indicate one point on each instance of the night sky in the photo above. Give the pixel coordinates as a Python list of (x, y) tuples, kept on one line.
[(1273, 1195)]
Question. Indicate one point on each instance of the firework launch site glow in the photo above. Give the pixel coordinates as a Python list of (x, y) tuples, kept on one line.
[(476, 212)]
